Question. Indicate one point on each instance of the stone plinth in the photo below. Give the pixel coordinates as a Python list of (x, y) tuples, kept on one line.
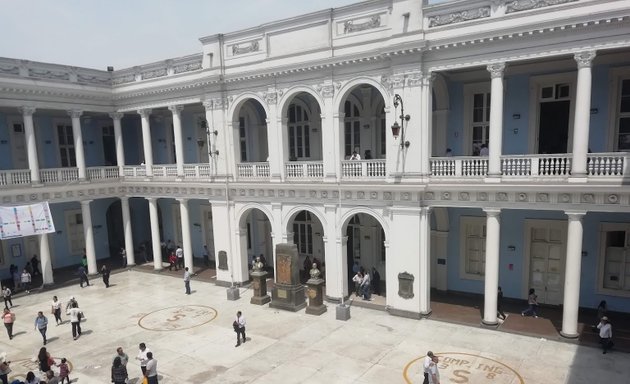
[(287, 293), (233, 293), (342, 312), (259, 283), (315, 297)]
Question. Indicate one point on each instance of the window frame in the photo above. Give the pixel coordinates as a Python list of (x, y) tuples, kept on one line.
[(299, 130), (465, 221), (470, 90), (67, 124), (68, 214), (604, 229), (616, 76)]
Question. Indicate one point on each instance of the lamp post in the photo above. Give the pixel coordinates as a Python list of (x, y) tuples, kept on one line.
[(399, 129)]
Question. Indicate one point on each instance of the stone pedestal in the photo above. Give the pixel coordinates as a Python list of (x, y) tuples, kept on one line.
[(343, 312), (287, 293), (259, 283), (233, 293), (315, 297)]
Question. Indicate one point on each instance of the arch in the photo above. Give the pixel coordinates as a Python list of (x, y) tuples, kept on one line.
[(242, 213), (440, 91), (286, 99), (290, 215), (238, 102), (347, 88), (345, 219)]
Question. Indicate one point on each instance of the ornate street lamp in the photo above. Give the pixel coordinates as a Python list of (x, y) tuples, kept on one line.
[(399, 129)]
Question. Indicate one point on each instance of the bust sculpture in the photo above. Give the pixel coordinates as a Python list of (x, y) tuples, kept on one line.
[(315, 272), (257, 266)]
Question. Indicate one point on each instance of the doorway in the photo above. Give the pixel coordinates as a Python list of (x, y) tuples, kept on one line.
[(546, 243), (109, 146), (115, 229), (553, 131), (18, 144)]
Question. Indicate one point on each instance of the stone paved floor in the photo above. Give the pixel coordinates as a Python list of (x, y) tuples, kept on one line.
[(192, 339)]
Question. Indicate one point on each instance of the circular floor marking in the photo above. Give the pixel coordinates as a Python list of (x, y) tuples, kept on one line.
[(459, 367), (19, 368), (177, 318)]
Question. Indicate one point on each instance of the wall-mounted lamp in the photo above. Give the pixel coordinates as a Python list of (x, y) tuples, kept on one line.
[(196, 225), (59, 232), (200, 142), (404, 120), (516, 116), (584, 253), (515, 130), (511, 248), (215, 132), (594, 111), (214, 153)]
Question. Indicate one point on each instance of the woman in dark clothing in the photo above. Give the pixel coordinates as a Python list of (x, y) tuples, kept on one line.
[(500, 304), (119, 372), (105, 274), (44, 360)]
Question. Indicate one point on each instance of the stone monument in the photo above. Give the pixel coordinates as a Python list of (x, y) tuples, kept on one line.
[(259, 282), (315, 293), (287, 292)]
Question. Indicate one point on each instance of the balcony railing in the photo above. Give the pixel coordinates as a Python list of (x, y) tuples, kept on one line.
[(58, 175), (253, 170), (99, 173), (362, 169), (304, 170)]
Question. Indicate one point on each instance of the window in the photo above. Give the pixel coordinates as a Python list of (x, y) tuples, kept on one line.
[(66, 145), (623, 116), (473, 247), (352, 128), (242, 138), (74, 230), (299, 133), (303, 233), (480, 121), (615, 259)]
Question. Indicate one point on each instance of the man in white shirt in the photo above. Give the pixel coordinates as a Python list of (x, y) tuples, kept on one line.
[(75, 319), (142, 356), (428, 359), (180, 256), (484, 150), (355, 156), (151, 369), (239, 328), (366, 289), (187, 280), (434, 374), (605, 334)]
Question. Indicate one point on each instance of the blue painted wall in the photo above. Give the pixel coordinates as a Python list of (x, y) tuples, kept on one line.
[(6, 160), (516, 102)]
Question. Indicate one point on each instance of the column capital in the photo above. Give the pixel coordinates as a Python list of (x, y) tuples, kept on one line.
[(492, 212), (116, 115), (343, 240), (182, 200), (208, 104), (86, 202), (144, 113), (27, 111), (584, 59), (496, 70), (151, 199), (575, 215), (176, 109), (75, 113), (425, 210)]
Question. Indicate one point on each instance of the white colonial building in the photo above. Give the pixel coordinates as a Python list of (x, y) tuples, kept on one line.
[(511, 169)]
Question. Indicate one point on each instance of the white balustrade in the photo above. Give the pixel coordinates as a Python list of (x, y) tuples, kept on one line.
[(355, 169), (15, 177), (554, 165), (474, 166), (304, 170), (131, 171), (99, 173), (58, 175), (253, 170), (606, 164)]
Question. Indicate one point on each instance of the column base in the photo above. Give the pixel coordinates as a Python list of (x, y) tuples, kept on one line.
[(37, 184), (403, 313), (426, 314), (569, 336), (489, 324)]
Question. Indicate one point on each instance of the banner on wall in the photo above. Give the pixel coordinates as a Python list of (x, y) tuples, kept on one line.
[(25, 220)]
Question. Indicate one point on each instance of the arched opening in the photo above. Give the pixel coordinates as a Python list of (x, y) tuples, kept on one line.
[(306, 231), (255, 239), (364, 127), (115, 229), (365, 253), (303, 129), (250, 133)]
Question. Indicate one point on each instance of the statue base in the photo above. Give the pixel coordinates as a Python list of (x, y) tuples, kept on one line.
[(288, 297), (315, 297), (259, 284)]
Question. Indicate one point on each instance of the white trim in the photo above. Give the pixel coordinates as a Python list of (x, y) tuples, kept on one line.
[(463, 222), (615, 77), (469, 91), (601, 256), (536, 83)]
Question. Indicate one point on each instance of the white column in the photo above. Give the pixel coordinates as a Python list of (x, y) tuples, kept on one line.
[(126, 216), (496, 120), (78, 142), (341, 245), (329, 129), (44, 255), (571, 302), (179, 143), (185, 219), (31, 143), (493, 239), (426, 123), (582, 115), (120, 148), (146, 141), (89, 237), (155, 234), (276, 130), (425, 261)]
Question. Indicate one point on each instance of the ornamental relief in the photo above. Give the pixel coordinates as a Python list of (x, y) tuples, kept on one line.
[(242, 48), (523, 5), (357, 25), (458, 17)]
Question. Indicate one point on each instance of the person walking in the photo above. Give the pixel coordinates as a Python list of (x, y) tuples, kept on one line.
[(105, 273), (500, 304), (187, 280), (26, 280), (426, 365), (123, 256), (41, 324), (44, 360), (366, 289), (239, 328), (7, 294), (434, 373), (55, 309), (4, 369), (142, 357), (206, 256), (71, 302), (75, 319), (9, 318), (124, 358), (83, 277), (357, 279), (172, 262), (180, 256), (151, 373), (605, 334), (119, 372), (35, 266), (15, 273), (64, 371), (532, 304), (84, 260)]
